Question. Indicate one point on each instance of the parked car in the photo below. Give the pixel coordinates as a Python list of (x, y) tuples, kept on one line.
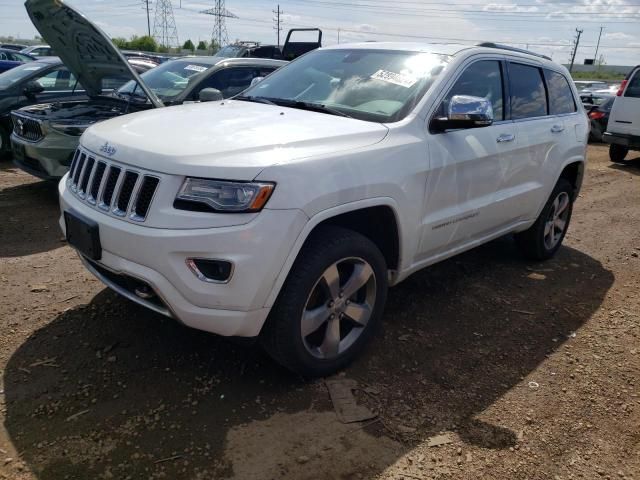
[(590, 100), (589, 85), (286, 212), (46, 135), (10, 59), (599, 116), (289, 51), (13, 46), (158, 59), (39, 51), (623, 128), (44, 80)]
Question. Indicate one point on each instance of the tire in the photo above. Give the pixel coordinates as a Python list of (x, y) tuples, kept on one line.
[(617, 152), (5, 143), (542, 240), (323, 347)]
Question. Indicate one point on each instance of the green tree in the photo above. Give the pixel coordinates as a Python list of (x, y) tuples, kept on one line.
[(144, 43), (188, 45), (202, 45), (214, 46), (120, 42)]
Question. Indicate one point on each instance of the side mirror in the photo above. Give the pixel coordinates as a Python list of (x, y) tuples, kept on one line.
[(465, 111), (210, 95), (32, 88), (256, 80)]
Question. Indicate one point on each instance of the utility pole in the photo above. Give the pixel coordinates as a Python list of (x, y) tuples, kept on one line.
[(146, 2), (219, 34), (576, 42), (277, 27), (595, 57), (338, 35), (164, 25)]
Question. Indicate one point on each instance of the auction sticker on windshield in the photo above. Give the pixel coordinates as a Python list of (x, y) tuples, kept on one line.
[(406, 81), (195, 68)]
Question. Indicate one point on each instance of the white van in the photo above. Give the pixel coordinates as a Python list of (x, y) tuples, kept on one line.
[(623, 130)]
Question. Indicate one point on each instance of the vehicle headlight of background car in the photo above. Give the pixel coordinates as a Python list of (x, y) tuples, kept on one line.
[(223, 196)]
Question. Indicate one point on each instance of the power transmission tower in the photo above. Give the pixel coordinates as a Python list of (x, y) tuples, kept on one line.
[(219, 34), (278, 22), (576, 42), (164, 25), (145, 5)]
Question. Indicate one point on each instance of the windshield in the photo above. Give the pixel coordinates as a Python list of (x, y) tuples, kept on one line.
[(10, 77), (373, 85), (230, 51), (168, 80)]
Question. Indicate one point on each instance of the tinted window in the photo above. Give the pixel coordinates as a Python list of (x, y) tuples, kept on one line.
[(481, 79), (633, 87), (232, 81), (17, 74), (560, 94), (528, 98)]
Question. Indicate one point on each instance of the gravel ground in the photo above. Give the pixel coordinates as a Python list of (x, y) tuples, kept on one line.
[(517, 370)]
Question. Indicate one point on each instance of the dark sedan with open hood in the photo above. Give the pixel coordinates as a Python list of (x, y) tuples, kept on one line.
[(45, 136)]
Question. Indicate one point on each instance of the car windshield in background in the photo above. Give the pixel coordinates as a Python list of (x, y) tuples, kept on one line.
[(230, 51), (373, 85), (167, 81), (16, 74)]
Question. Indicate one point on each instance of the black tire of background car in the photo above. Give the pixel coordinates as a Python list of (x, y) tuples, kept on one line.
[(531, 241), (281, 336), (617, 152), (5, 143)]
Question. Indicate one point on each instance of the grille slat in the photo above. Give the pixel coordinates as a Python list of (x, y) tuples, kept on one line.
[(112, 188), (126, 189), (26, 128), (96, 182)]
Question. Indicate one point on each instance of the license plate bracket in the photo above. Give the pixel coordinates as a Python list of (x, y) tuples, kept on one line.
[(83, 234)]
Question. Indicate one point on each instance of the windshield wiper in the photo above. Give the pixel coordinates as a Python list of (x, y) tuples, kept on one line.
[(312, 107), (252, 98)]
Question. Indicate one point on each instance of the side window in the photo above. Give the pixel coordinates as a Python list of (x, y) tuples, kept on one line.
[(231, 81), (481, 79), (58, 79), (4, 56), (633, 87), (560, 94), (528, 97)]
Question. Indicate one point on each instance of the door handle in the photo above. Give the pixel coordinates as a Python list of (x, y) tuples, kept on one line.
[(506, 137), (557, 129)]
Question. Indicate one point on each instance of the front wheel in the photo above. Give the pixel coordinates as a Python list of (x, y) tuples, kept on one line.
[(617, 152), (330, 304), (542, 240)]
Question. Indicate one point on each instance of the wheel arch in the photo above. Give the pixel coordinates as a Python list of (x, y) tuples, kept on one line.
[(573, 172), (360, 217)]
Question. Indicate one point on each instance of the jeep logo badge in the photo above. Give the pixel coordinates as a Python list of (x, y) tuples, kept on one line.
[(108, 149)]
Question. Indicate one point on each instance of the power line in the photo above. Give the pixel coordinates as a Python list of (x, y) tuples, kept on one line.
[(219, 34), (164, 25)]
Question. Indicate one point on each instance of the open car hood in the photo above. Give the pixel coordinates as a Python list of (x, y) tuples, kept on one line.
[(85, 49)]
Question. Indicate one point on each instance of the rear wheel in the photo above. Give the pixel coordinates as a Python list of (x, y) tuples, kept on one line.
[(617, 152), (330, 304), (543, 239)]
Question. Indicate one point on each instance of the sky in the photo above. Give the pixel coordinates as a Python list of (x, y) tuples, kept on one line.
[(543, 26)]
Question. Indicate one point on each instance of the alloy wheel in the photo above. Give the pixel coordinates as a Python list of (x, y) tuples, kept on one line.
[(556, 223)]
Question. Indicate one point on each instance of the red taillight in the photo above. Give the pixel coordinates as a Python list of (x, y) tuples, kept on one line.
[(621, 89), (596, 115)]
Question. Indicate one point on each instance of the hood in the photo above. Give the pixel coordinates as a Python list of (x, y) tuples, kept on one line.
[(85, 49), (233, 140)]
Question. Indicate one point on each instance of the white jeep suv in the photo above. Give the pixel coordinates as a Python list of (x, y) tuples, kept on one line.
[(287, 212), (623, 127)]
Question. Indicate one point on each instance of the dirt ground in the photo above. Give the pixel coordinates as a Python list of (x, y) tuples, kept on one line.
[(522, 370)]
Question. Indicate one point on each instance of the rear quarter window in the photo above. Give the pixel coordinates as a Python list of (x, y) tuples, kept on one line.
[(528, 96), (633, 87), (560, 94)]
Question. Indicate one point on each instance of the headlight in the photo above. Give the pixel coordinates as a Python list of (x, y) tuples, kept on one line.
[(70, 129), (223, 196)]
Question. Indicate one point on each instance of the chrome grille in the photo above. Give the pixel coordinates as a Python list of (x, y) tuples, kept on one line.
[(115, 189), (27, 128)]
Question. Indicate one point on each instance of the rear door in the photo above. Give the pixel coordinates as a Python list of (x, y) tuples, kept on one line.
[(625, 114)]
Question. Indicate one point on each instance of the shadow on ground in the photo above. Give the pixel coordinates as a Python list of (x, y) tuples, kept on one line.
[(111, 390), (29, 213), (631, 164)]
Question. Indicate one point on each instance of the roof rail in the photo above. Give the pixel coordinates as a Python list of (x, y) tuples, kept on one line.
[(513, 49)]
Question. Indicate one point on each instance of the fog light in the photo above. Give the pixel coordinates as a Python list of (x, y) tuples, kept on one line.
[(211, 270)]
